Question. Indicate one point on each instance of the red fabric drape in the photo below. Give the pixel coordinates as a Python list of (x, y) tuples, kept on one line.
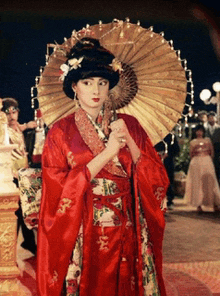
[(67, 201)]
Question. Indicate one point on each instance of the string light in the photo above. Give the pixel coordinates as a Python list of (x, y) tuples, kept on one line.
[(166, 147), (172, 138), (179, 130), (178, 54), (171, 44), (100, 25)]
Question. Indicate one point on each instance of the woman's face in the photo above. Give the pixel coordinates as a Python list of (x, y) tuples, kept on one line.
[(199, 133), (91, 93)]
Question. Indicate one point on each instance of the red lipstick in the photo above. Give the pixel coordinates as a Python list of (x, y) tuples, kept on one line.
[(96, 100)]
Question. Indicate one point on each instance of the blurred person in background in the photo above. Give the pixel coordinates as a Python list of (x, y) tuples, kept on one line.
[(170, 144), (213, 132), (19, 160), (201, 183)]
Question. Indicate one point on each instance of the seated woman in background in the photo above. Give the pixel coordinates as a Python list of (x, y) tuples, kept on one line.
[(19, 161), (15, 130), (201, 183)]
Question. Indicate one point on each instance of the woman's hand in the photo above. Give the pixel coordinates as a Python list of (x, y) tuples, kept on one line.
[(121, 133), (116, 141), (118, 138), (120, 127)]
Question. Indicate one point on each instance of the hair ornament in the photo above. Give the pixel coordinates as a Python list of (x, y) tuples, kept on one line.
[(116, 65), (64, 71), (75, 63), (72, 64), (11, 109)]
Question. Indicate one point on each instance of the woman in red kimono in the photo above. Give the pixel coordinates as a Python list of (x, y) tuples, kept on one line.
[(101, 223)]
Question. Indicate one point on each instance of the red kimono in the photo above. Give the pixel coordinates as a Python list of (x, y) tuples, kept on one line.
[(115, 220)]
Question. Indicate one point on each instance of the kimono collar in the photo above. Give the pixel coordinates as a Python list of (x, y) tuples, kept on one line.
[(99, 125), (95, 143)]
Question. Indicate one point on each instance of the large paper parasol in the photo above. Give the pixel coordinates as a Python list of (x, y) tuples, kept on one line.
[(152, 86)]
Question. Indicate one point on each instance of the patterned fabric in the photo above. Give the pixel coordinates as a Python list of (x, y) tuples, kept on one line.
[(30, 182), (19, 155), (102, 214), (16, 137), (74, 271), (149, 273)]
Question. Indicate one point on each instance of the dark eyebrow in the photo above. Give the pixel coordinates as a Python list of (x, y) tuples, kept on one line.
[(91, 78)]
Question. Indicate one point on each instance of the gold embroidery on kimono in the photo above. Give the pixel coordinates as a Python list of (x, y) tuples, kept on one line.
[(55, 277), (148, 270), (103, 241), (66, 203), (70, 159)]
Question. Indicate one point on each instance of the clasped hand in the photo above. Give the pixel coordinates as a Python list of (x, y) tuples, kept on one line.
[(119, 136)]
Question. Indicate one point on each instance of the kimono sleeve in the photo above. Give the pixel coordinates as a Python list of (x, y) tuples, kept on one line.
[(151, 180), (61, 212), (149, 170)]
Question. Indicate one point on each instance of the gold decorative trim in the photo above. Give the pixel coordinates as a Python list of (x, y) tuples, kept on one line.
[(11, 287), (9, 271), (8, 244), (9, 202)]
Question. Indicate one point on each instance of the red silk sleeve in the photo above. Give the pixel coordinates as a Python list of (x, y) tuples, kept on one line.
[(60, 214)]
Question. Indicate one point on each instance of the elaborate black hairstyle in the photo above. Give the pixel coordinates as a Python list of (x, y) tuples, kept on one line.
[(94, 61), (9, 102)]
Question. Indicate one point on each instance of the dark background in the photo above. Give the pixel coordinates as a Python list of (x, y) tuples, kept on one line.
[(26, 28)]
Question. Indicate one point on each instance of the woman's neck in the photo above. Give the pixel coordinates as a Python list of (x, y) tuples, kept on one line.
[(93, 113)]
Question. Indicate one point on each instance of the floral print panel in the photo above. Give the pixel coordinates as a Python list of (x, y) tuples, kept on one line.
[(74, 270), (30, 183), (102, 214), (148, 270)]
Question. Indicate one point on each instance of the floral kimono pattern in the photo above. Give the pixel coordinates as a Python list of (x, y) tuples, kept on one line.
[(30, 187)]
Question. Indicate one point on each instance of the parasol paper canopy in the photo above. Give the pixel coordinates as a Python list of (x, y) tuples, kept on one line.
[(152, 86)]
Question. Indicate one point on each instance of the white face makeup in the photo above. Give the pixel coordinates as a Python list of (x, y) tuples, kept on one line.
[(92, 93)]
